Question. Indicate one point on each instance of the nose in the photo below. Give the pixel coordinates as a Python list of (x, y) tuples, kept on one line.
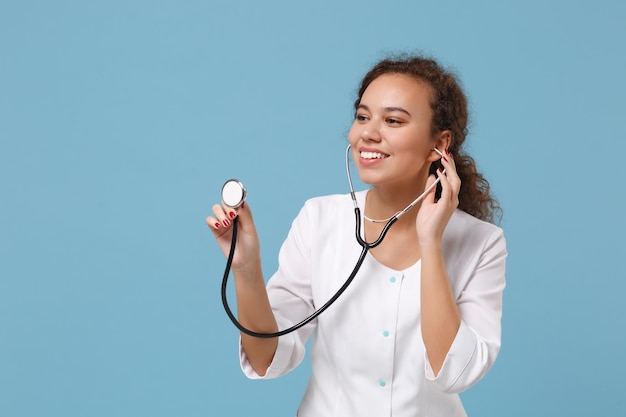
[(371, 133)]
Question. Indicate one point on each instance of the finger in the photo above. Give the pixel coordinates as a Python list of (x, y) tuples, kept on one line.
[(222, 216), (448, 163), (243, 212), (246, 221), (445, 184), (451, 174), (449, 194), (449, 157), (213, 223), (229, 212), (430, 197), (451, 163)]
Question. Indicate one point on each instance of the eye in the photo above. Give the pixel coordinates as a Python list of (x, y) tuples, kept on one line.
[(392, 121), (361, 118)]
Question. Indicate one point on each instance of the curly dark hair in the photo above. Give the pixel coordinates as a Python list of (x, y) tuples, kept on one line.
[(449, 106)]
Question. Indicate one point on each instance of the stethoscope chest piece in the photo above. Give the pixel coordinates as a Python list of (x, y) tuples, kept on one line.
[(233, 193)]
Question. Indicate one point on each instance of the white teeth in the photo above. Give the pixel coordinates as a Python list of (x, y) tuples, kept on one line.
[(373, 155)]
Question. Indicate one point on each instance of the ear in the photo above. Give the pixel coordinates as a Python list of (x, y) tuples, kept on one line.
[(442, 142)]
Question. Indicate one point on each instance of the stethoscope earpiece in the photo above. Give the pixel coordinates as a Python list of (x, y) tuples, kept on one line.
[(438, 152)]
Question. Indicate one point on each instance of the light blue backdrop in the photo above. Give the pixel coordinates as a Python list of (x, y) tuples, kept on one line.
[(120, 120)]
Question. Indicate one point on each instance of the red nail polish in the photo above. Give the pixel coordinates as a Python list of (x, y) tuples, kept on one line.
[(447, 152), (217, 225), (226, 222), (445, 159), (232, 214)]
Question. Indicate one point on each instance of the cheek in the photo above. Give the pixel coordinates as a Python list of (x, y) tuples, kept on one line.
[(354, 133)]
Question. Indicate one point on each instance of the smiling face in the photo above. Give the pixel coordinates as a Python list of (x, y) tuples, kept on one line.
[(391, 136)]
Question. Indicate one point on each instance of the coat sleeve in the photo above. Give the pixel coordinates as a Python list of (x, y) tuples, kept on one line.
[(478, 340), (290, 295)]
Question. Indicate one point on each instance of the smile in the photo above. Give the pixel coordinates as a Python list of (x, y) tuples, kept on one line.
[(373, 155)]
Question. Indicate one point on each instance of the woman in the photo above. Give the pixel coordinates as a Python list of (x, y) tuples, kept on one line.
[(421, 321)]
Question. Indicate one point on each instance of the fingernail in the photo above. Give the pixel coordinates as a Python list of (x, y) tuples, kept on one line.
[(448, 152), (217, 225), (232, 214), (225, 222), (445, 159)]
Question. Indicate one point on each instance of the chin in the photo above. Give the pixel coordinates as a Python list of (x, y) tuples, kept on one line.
[(369, 180)]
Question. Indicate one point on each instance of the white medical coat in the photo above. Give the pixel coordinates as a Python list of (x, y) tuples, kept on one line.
[(368, 356)]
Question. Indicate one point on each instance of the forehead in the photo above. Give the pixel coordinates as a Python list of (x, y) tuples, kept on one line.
[(396, 89)]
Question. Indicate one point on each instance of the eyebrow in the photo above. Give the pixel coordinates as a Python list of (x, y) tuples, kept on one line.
[(386, 109)]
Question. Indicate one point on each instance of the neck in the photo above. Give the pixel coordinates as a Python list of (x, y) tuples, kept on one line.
[(384, 201)]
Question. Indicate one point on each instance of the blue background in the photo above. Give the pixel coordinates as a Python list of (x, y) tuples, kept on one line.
[(120, 120)]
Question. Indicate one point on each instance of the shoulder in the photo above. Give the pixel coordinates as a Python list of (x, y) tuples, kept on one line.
[(466, 234), (329, 200), (324, 215), (473, 248), (463, 223), (334, 205)]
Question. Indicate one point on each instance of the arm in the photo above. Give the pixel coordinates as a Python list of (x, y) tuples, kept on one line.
[(253, 306), (439, 313), (440, 317), (286, 300), (460, 314), (477, 262)]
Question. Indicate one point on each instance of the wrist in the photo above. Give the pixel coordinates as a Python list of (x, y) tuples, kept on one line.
[(430, 247), (249, 266)]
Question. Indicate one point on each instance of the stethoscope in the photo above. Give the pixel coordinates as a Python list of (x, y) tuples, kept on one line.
[(234, 194)]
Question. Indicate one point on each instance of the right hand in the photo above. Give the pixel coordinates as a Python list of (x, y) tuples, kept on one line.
[(247, 249)]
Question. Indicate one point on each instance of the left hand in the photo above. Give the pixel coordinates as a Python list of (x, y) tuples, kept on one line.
[(433, 217)]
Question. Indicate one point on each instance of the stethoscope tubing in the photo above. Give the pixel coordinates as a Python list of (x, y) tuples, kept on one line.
[(365, 247)]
